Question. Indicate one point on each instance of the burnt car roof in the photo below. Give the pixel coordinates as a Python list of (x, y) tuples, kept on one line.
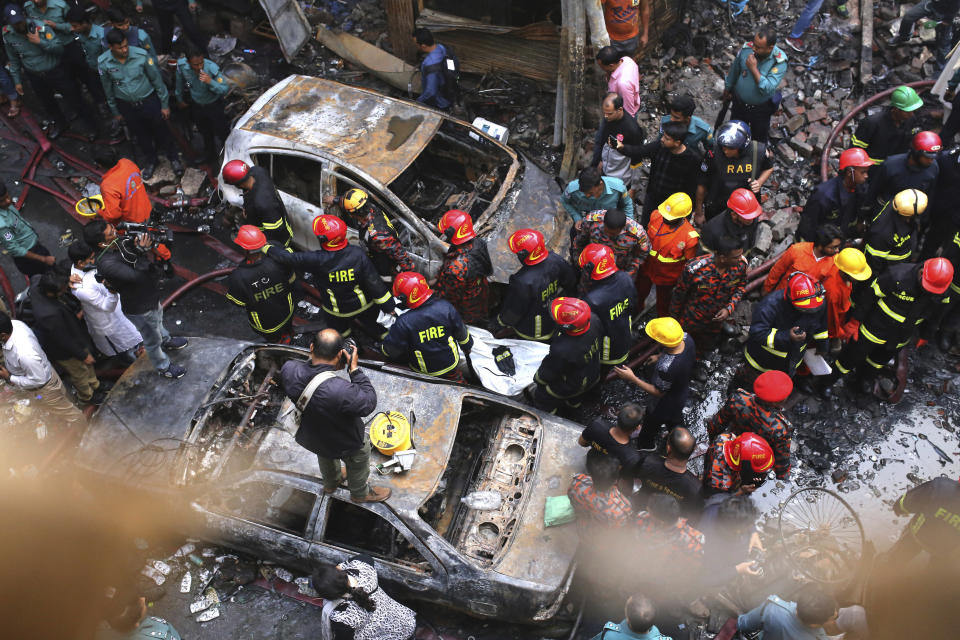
[(350, 124)]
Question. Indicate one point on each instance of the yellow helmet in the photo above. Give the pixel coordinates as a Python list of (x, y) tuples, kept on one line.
[(676, 206), (354, 199), (910, 202), (667, 331), (90, 206), (853, 263)]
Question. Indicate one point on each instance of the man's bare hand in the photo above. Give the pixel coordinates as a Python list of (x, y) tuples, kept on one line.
[(746, 569), (726, 95), (205, 77), (722, 315), (328, 201), (624, 372), (19, 89), (49, 261), (751, 62), (89, 359), (34, 37), (797, 335), (75, 279), (144, 241), (755, 186), (165, 113), (4, 373)]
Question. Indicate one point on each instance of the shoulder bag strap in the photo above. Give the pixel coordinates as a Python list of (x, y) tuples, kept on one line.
[(311, 388)]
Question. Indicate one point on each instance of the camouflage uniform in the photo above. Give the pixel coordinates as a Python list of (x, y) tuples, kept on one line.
[(463, 279), (743, 413), (719, 476), (701, 293), (383, 244), (609, 508), (630, 248)]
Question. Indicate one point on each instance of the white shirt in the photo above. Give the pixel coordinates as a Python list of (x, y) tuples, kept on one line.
[(25, 360), (111, 331)]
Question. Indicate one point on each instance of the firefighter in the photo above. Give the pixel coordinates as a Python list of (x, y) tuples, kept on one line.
[(949, 335), (915, 169), (812, 258), (851, 270), (611, 227), (783, 325), (429, 336), (739, 220), (894, 232), (760, 412), (736, 162), (353, 292), (263, 287), (673, 241), (838, 200), (376, 231), (613, 299), (542, 277), (905, 296), (262, 206), (736, 464), (463, 275), (572, 367), (888, 132)]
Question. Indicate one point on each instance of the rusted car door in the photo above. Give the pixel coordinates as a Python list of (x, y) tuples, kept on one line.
[(299, 180)]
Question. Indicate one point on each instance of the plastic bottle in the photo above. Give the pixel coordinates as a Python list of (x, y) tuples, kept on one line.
[(482, 500)]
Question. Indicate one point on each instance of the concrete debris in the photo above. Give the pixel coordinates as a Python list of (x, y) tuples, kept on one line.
[(191, 181)]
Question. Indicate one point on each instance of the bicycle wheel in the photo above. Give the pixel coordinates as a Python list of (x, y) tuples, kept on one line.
[(821, 534)]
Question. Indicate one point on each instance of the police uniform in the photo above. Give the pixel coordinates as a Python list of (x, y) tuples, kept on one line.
[(614, 300), (136, 37), (699, 134), (769, 345), (754, 102), (428, 338), (882, 138), (570, 369), (890, 239), (263, 208), (17, 237), (721, 175), (380, 237), (165, 11), (622, 631), (135, 90), (526, 304), (92, 45), (152, 628), (74, 57), (207, 107), (831, 202), (41, 63), (265, 290), (352, 290), (463, 279)]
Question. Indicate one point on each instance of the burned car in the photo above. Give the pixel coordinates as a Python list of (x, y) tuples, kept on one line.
[(224, 445), (317, 137)]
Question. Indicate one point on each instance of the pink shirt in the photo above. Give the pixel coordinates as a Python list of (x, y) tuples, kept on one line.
[(625, 81)]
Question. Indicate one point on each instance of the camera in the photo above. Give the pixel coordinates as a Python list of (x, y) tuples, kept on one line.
[(349, 346), (132, 232)]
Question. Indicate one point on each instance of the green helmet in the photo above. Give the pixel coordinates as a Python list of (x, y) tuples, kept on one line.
[(905, 99)]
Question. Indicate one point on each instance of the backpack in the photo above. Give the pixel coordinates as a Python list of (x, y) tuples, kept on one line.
[(449, 68)]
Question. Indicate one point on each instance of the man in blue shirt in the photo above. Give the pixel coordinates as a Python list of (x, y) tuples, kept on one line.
[(593, 192), (435, 93), (699, 133), (800, 620), (752, 82), (637, 625)]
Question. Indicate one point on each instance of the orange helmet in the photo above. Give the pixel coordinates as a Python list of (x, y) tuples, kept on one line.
[(250, 238), (598, 258), (748, 447), (804, 292), (411, 288), (456, 226), (529, 246), (855, 157), (331, 231), (235, 172), (937, 275), (572, 315)]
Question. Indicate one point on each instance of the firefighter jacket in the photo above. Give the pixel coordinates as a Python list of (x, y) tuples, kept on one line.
[(613, 300), (630, 248), (724, 225), (427, 338), (798, 257), (380, 237), (573, 364), (265, 290), (951, 252), (703, 291), (671, 248), (891, 238), (744, 413), (526, 304), (901, 305), (463, 279), (897, 174), (832, 203), (263, 208), (769, 345), (881, 137), (347, 278)]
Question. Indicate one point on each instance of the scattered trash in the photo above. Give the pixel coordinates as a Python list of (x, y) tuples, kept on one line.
[(209, 614), (221, 45), (186, 582)]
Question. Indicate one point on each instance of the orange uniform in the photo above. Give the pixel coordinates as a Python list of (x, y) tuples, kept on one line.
[(839, 292), (670, 249), (799, 257), (125, 199)]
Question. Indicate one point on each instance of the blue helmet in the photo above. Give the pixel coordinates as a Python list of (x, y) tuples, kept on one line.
[(734, 134)]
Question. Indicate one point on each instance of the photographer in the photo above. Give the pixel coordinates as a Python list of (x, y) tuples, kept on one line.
[(127, 264), (331, 425)]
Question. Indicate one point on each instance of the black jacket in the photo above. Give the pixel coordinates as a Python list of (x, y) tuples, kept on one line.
[(900, 304), (349, 281), (614, 301), (137, 282), (427, 337), (891, 238), (722, 175), (331, 424), (831, 203), (263, 208), (526, 304), (896, 174), (769, 345), (61, 334), (626, 126), (882, 138), (723, 225), (573, 364), (265, 290)]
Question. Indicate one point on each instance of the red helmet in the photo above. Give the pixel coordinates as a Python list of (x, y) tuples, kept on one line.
[(598, 258), (456, 226), (937, 275), (855, 157), (235, 172), (411, 288), (748, 447), (927, 143), (804, 292), (572, 315), (250, 238), (331, 231), (744, 204), (529, 246)]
